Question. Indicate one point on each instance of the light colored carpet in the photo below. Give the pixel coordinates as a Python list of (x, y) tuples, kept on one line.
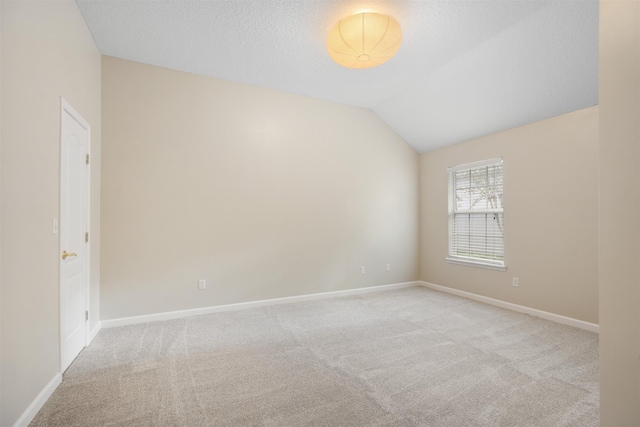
[(408, 357)]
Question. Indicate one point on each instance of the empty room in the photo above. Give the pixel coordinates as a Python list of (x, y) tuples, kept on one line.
[(320, 213)]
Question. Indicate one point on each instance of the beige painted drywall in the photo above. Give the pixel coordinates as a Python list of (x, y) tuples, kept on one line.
[(619, 241), (0, 212), (551, 222), (47, 52), (261, 193)]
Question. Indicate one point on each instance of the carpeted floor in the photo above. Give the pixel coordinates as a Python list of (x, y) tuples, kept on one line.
[(408, 357)]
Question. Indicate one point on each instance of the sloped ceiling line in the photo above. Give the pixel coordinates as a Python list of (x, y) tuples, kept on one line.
[(466, 68)]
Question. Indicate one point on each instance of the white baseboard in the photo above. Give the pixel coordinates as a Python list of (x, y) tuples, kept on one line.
[(94, 332), (592, 327), (123, 321), (32, 410), (244, 305)]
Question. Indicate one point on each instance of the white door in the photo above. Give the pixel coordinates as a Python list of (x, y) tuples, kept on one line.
[(74, 214)]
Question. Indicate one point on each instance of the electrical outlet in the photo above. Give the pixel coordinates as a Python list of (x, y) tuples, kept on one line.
[(202, 284), (515, 282), (362, 270), (388, 267)]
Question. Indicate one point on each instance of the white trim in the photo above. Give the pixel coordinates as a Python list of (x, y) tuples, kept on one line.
[(66, 107), (123, 321), (592, 327), (479, 211), (472, 165), (94, 332), (453, 212), (479, 264), (251, 304), (32, 410)]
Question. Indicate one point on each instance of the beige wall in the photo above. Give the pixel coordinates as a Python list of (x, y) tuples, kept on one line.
[(47, 52), (263, 194), (619, 266), (551, 222)]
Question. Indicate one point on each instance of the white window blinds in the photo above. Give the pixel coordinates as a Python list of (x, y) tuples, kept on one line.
[(476, 214)]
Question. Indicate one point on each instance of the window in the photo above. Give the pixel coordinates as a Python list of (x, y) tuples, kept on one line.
[(476, 214)]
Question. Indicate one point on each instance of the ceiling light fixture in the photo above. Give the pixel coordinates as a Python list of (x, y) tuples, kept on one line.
[(364, 40)]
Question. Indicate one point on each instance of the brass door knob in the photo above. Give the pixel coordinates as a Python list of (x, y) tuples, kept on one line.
[(65, 254)]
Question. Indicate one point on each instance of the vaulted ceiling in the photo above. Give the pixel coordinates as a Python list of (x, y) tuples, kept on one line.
[(466, 68)]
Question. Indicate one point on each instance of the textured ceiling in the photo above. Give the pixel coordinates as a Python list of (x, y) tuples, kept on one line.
[(465, 68)]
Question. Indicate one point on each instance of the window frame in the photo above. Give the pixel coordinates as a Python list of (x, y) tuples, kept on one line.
[(452, 206)]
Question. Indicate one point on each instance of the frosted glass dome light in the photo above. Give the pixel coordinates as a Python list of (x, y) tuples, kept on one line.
[(364, 40)]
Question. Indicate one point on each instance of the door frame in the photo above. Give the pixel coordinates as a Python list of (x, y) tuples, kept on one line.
[(65, 107)]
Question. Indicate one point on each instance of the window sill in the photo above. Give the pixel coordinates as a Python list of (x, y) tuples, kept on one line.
[(479, 264)]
